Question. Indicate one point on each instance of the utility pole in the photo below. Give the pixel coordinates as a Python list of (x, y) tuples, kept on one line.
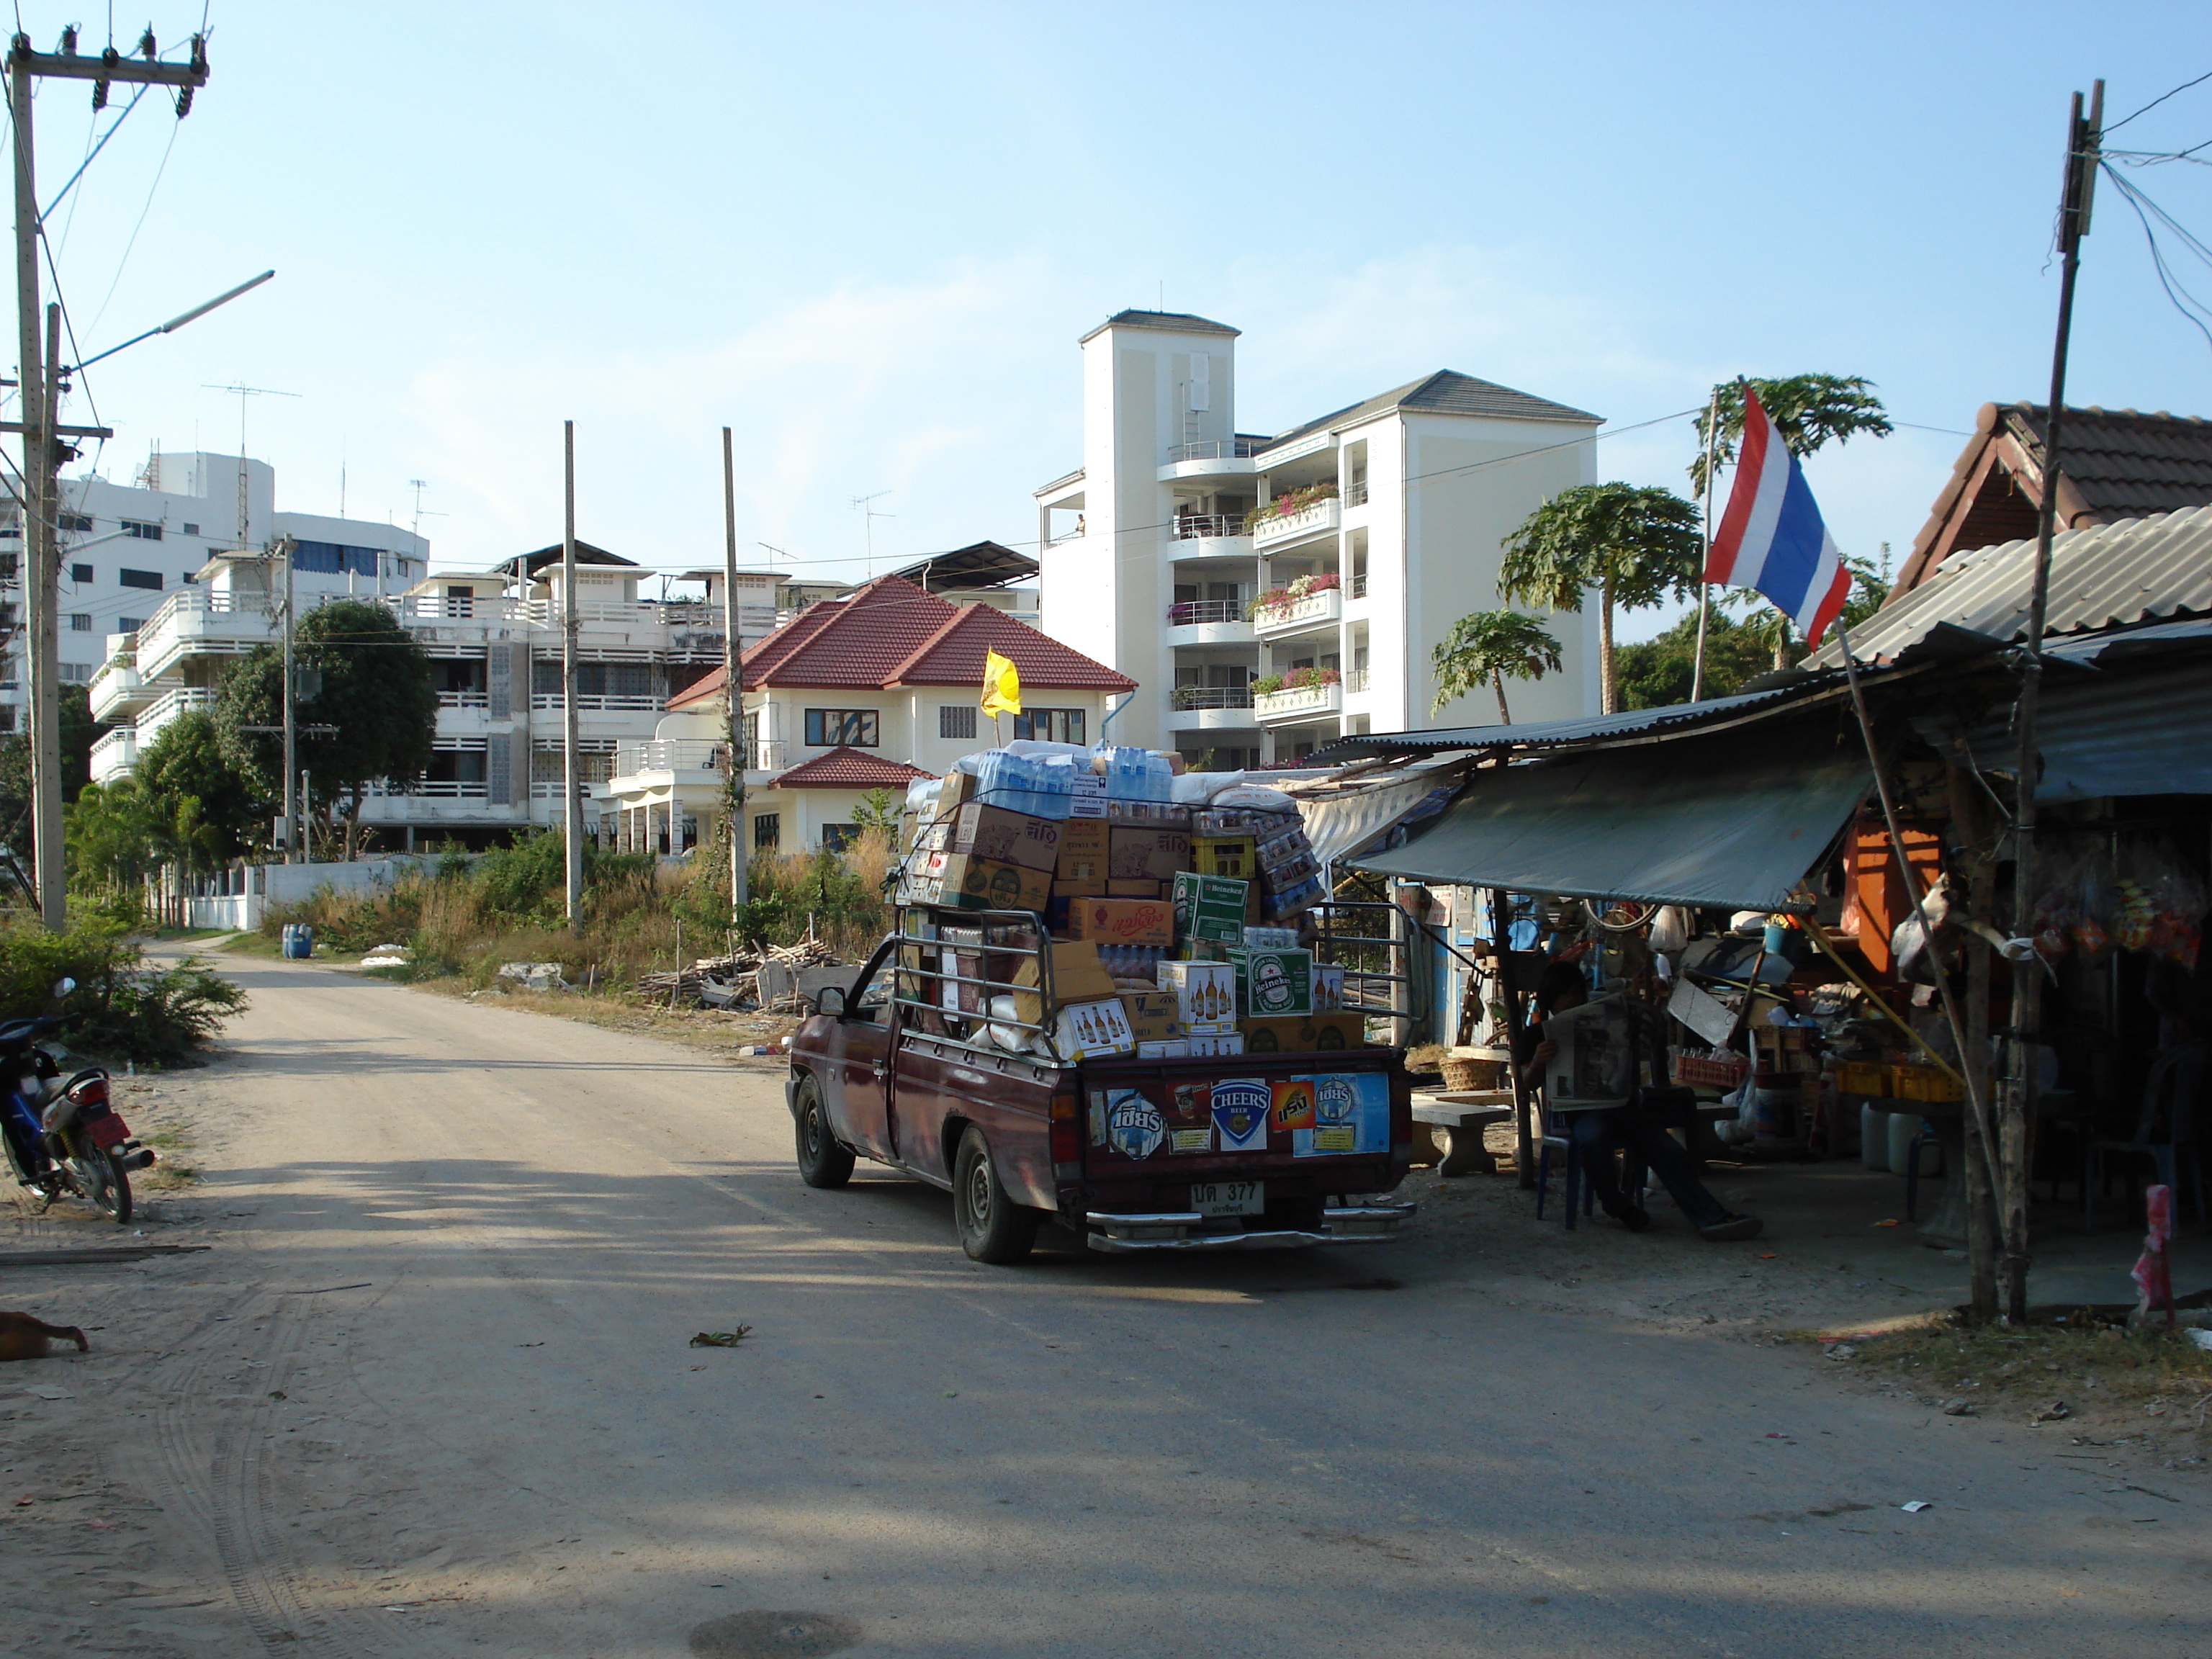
[(572, 763), (732, 688), (2084, 139), (39, 377), (294, 803)]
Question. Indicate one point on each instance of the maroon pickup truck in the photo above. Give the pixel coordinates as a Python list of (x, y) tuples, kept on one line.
[(1252, 1151)]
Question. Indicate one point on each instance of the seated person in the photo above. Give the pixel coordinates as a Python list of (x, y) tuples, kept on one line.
[(1603, 1134)]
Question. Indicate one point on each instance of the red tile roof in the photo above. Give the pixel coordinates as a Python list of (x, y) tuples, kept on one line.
[(849, 769), (890, 632), (953, 655)]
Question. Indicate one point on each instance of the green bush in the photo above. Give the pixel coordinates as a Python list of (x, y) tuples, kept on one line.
[(121, 1010)]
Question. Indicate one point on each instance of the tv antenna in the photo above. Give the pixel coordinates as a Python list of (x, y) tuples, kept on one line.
[(242, 392), (871, 516)]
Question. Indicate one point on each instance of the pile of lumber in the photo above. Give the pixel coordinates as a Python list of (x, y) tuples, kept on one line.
[(734, 981)]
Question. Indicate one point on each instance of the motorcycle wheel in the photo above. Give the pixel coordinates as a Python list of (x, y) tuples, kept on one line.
[(102, 1178)]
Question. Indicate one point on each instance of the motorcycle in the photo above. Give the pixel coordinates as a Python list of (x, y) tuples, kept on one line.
[(63, 1136)]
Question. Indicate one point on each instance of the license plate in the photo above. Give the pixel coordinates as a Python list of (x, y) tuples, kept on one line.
[(108, 1130), (1229, 1197)]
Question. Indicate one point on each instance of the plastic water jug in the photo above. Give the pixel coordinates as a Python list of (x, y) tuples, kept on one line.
[(1874, 1138)]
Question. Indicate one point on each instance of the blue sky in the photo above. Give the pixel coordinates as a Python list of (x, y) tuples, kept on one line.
[(867, 238)]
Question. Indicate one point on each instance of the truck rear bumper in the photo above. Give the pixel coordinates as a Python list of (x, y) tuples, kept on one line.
[(1357, 1223)]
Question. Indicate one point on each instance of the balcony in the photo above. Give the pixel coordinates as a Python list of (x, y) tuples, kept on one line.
[(480, 700), (669, 760), (163, 709), (1320, 609), (1283, 530), (116, 690), (1209, 535), (1355, 681), (1210, 708), (594, 702), (1208, 622), (1213, 458), (1300, 702), (1355, 495), (114, 755)]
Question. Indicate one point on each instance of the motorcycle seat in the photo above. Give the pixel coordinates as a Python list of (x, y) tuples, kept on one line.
[(17, 1032)]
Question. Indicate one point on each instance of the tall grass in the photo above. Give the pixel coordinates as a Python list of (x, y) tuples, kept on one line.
[(510, 907)]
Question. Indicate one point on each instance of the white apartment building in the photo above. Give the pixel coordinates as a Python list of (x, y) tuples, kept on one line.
[(125, 547), (495, 638), (1157, 548)]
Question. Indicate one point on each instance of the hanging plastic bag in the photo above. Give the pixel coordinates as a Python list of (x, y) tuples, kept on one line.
[(1670, 930)]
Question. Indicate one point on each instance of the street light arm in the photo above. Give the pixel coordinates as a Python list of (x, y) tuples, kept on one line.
[(175, 323)]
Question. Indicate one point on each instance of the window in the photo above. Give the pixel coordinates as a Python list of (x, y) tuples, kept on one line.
[(83, 521), (192, 530), (9, 564), (130, 625), (1050, 725), (836, 837), (79, 573), (151, 579), (79, 623), (768, 832), (826, 728), (333, 559), (76, 673), (956, 719), (143, 530)]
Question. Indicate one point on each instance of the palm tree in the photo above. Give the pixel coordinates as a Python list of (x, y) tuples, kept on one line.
[(1810, 408), (1488, 645), (1635, 543)]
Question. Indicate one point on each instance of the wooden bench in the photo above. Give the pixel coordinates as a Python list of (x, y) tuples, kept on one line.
[(1457, 1120)]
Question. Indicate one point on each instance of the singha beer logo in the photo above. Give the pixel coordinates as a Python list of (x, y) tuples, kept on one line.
[(1271, 992)]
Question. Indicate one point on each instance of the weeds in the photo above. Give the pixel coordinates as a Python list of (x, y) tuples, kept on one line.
[(467, 919), (120, 1009), (2084, 1360)]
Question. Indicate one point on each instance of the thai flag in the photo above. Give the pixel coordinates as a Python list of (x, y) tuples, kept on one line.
[(1771, 537)]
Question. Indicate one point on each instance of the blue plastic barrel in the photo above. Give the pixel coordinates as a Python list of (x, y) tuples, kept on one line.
[(299, 940)]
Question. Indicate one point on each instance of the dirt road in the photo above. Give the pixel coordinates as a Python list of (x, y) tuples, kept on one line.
[(429, 1392)]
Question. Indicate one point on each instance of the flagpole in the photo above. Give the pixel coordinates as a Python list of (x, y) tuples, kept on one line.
[(1705, 587)]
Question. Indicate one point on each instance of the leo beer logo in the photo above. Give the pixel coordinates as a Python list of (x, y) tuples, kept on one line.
[(1292, 1104), (1240, 1112), (1133, 1125), (1005, 888)]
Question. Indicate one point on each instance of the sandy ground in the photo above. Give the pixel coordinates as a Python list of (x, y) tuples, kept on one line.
[(428, 1391)]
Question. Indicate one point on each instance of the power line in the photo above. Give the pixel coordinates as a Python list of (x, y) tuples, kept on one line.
[(2160, 98), (2197, 313)]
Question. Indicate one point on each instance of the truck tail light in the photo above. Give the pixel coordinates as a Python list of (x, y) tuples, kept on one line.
[(1067, 1137)]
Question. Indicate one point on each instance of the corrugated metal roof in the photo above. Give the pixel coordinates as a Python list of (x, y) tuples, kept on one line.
[(2108, 576), (2091, 648), (2114, 732), (1546, 734)]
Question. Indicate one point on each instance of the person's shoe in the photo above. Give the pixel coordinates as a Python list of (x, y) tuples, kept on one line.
[(1731, 1227), (1636, 1219)]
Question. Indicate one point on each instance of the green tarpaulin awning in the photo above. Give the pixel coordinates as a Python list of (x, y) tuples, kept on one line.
[(1731, 822)]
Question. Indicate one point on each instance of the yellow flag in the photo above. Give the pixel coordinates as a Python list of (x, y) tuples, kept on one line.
[(1002, 685)]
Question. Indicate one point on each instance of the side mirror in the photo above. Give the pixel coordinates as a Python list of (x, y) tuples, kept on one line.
[(63, 987), (822, 1000)]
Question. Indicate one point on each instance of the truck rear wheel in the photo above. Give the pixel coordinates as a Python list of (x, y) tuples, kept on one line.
[(993, 1227), (822, 1161)]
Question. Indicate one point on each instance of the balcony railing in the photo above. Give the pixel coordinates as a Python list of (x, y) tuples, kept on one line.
[(163, 709), (1315, 609), (592, 702), (1217, 449), (1194, 526), (1355, 680), (1214, 697), (1289, 526), (114, 754), (1206, 610), (701, 755), (1301, 700), (464, 700), (1355, 495), (1358, 587)]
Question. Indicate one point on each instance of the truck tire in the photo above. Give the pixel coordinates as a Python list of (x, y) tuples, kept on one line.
[(822, 1161), (993, 1227)]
